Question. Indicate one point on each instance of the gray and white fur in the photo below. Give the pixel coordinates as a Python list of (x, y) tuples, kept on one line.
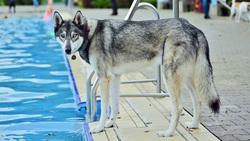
[(116, 47)]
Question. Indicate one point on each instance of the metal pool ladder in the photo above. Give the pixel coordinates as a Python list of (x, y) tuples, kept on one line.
[(91, 89)]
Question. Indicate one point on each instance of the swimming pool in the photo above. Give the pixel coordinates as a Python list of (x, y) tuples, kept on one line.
[(36, 100)]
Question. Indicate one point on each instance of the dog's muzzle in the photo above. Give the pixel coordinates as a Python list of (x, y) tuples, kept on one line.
[(68, 51)]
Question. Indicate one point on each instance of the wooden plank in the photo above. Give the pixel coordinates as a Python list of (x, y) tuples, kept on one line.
[(166, 112), (111, 134), (144, 134), (149, 115), (137, 120), (124, 120)]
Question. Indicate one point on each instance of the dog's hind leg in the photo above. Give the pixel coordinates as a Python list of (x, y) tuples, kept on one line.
[(173, 83), (196, 104), (115, 94), (239, 15), (105, 86)]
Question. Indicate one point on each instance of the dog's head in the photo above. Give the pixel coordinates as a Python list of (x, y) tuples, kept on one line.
[(71, 34)]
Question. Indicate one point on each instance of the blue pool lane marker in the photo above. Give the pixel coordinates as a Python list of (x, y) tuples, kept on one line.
[(88, 135), (72, 80), (80, 105)]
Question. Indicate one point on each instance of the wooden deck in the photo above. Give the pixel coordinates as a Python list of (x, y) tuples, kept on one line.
[(139, 118)]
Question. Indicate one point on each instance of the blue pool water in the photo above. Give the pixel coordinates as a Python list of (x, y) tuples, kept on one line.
[(36, 99)]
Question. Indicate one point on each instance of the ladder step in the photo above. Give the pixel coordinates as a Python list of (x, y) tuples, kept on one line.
[(139, 81), (142, 95)]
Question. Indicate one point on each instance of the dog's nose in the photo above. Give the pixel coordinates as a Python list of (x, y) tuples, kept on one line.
[(68, 51)]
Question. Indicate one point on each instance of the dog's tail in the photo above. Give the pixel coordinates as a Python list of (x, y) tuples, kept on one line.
[(203, 79)]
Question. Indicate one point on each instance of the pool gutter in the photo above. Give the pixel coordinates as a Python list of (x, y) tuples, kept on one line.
[(80, 105)]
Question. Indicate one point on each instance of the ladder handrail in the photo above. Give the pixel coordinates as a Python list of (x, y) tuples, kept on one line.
[(225, 4)]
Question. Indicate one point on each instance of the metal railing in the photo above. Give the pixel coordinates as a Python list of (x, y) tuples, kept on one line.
[(91, 89), (223, 2)]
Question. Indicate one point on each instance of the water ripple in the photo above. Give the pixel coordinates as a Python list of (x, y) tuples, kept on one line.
[(25, 65), (22, 95), (41, 81), (22, 45), (15, 55), (16, 116), (33, 80), (7, 109), (59, 73)]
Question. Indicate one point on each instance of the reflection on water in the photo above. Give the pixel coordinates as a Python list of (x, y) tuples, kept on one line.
[(36, 101)]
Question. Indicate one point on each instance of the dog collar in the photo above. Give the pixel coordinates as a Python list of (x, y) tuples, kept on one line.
[(86, 40), (85, 43), (87, 34)]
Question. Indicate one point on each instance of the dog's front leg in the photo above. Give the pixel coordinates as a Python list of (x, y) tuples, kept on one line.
[(115, 94), (105, 86)]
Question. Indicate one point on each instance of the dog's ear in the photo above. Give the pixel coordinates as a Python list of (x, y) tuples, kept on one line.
[(57, 19), (79, 19)]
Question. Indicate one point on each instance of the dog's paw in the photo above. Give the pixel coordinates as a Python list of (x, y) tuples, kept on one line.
[(192, 125), (96, 129), (110, 124), (164, 134)]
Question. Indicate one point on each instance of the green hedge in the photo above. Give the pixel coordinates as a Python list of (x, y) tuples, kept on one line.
[(101, 3), (104, 3), (153, 2), (2, 3)]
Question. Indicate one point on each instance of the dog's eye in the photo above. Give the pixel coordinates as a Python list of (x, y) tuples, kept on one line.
[(62, 36), (75, 35)]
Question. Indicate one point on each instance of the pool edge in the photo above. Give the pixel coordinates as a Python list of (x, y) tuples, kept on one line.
[(86, 134)]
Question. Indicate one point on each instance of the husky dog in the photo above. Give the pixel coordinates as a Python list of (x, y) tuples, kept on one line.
[(116, 47)]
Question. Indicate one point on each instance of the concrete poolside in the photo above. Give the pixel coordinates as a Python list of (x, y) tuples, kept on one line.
[(229, 52)]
